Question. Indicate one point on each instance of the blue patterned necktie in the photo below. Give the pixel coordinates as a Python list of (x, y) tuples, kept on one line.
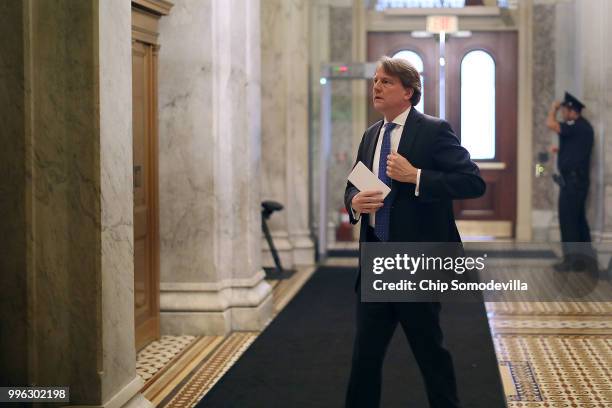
[(381, 228)]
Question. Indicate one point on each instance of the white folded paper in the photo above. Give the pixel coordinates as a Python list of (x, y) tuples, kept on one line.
[(364, 180)]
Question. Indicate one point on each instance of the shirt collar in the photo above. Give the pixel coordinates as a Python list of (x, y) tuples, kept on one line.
[(400, 119)]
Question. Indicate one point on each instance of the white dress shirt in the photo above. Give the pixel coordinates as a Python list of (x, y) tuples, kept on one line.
[(396, 135)]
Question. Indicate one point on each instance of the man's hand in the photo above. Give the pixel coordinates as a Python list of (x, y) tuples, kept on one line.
[(367, 202), (555, 105), (551, 119), (400, 169)]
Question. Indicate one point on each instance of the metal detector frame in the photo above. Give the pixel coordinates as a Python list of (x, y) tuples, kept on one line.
[(332, 72)]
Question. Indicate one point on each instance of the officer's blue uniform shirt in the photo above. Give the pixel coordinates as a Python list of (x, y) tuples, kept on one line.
[(575, 145)]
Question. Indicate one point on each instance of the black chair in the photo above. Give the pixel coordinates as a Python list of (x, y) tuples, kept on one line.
[(267, 209)]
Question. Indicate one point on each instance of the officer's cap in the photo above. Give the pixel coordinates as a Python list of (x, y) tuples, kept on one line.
[(570, 101)]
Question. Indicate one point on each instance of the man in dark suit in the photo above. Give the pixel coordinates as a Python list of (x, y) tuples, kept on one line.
[(422, 161)]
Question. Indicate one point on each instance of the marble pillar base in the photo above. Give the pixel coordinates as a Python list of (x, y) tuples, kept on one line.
[(303, 250), (293, 251), (554, 233), (138, 401), (331, 234), (284, 248), (195, 323), (539, 234), (252, 318), (218, 323), (544, 227), (215, 308), (128, 397), (603, 246)]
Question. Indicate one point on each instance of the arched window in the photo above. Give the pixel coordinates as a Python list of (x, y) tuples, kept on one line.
[(478, 104), (385, 4), (416, 60)]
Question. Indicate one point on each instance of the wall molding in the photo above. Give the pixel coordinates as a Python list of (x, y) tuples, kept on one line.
[(212, 286)]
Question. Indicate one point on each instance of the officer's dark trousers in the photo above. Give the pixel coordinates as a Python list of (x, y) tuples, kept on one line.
[(572, 212), (376, 323)]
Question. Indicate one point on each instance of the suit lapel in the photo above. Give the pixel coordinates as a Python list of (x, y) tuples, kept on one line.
[(372, 146), (409, 133)]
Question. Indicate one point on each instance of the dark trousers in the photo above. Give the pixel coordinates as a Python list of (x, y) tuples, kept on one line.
[(572, 216), (376, 323)]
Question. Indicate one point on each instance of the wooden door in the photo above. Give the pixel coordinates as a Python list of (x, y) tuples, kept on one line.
[(389, 44), (493, 214), (145, 155)]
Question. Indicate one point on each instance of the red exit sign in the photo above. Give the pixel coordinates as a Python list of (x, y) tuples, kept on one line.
[(438, 24)]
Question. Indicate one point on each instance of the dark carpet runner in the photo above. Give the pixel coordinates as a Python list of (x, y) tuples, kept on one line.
[(303, 358)]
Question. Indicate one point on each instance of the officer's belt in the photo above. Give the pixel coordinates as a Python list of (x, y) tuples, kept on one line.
[(574, 173)]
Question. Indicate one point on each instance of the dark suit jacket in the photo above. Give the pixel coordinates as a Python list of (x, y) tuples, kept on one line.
[(447, 173)]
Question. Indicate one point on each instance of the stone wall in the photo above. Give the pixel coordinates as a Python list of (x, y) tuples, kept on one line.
[(210, 176), (569, 54), (284, 142), (594, 76), (543, 70), (70, 310)]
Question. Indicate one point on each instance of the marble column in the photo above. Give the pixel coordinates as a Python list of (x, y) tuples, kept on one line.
[(284, 116), (594, 72), (593, 77), (67, 254), (569, 54), (320, 51), (544, 191), (584, 68), (209, 169)]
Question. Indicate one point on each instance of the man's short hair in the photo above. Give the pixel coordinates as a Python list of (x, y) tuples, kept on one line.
[(406, 72)]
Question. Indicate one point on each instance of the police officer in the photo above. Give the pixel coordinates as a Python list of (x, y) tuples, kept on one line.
[(573, 161)]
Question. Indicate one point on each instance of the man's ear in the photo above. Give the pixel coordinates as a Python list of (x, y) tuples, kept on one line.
[(409, 93)]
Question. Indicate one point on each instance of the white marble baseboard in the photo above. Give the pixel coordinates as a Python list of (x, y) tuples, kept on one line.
[(283, 248), (215, 312), (293, 251), (138, 401), (303, 257), (285, 255), (213, 300), (129, 396), (218, 323), (252, 318), (195, 323), (213, 286)]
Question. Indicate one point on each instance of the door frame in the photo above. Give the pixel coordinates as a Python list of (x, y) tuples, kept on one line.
[(145, 18), (502, 47)]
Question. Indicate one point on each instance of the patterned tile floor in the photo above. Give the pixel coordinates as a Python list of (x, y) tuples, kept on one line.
[(190, 376), (210, 371), (551, 354), (556, 354), (153, 358)]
